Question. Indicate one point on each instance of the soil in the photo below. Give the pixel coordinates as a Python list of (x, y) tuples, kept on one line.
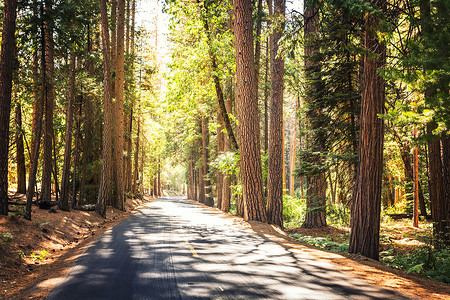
[(56, 240)]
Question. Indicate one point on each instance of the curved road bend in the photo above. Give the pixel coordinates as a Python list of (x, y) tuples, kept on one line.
[(173, 249)]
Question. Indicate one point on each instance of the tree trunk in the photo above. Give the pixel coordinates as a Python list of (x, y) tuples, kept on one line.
[(226, 194), (416, 183), (136, 157), (316, 183), (76, 158), (446, 179), (6, 70), (365, 221), (209, 201), (436, 188), (105, 181), (20, 153), (46, 192), (37, 107), (159, 179), (191, 180), (64, 201), (119, 126), (276, 149), (217, 85), (220, 150), (250, 160), (88, 117), (38, 136)]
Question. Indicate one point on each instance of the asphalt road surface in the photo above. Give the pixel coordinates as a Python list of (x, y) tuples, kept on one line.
[(173, 249)]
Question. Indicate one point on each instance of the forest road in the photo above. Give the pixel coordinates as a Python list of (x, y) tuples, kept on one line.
[(175, 249)]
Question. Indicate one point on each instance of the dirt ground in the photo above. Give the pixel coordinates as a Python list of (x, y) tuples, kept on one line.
[(42, 251)]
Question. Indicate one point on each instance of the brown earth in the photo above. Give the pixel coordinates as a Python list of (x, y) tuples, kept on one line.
[(64, 235)]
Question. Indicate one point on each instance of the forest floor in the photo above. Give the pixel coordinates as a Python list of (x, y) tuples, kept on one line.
[(40, 252)]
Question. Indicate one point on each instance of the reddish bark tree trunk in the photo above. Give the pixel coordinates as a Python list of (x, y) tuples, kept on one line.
[(64, 201), (105, 182), (365, 222), (276, 153), (46, 192), (247, 103), (6, 70), (20, 153)]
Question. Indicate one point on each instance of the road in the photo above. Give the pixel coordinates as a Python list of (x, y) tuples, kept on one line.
[(174, 249)]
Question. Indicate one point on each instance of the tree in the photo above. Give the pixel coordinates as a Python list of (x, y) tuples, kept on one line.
[(105, 182), (247, 111), (6, 70), (365, 219), (49, 103), (276, 165), (119, 126), (64, 201), (316, 182), (20, 155)]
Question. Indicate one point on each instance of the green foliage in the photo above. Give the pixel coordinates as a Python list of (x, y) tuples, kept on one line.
[(338, 215), (5, 238), (322, 243), (21, 254), (293, 211), (425, 261)]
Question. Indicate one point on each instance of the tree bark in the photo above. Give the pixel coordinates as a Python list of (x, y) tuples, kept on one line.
[(209, 201), (46, 192), (39, 119), (436, 188), (88, 117), (37, 107), (64, 201), (6, 70), (105, 181), (220, 150), (365, 219), (136, 158), (250, 148), (20, 152), (119, 126), (226, 194), (76, 158), (276, 153)]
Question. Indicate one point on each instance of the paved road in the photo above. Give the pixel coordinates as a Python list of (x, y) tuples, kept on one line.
[(173, 249)]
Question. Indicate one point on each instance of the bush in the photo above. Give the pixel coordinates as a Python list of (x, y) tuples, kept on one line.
[(293, 211), (426, 261), (322, 243)]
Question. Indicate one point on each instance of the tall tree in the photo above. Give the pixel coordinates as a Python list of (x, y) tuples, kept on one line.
[(365, 218), (247, 111), (105, 182), (6, 70), (276, 153), (209, 200), (119, 126), (64, 201), (20, 152), (316, 181), (49, 104)]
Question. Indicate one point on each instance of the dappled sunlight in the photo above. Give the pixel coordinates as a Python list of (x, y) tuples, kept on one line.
[(174, 249)]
